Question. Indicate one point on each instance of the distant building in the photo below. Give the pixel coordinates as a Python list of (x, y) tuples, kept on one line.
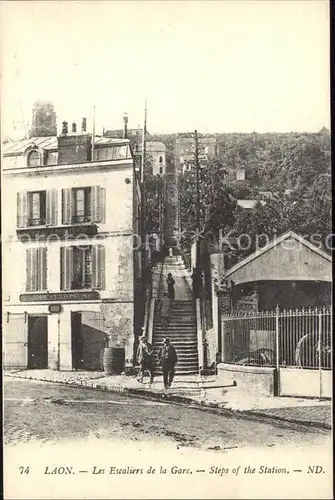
[(157, 151), (185, 152)]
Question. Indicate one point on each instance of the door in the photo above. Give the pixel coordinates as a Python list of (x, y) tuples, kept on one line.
[(38, 342), (77, 341), (15, 341)]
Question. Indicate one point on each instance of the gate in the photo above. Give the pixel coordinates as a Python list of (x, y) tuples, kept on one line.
[(298, 343)]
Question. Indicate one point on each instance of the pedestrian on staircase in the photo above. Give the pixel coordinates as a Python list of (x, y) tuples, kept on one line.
[(144, 358), (165, 310), (167, 357), (170, 286), (196, 283)]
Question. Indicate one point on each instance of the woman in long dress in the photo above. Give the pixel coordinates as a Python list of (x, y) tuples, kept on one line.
[(170, 286)]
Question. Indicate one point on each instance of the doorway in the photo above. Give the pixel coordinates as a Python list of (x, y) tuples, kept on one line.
[(77, 341), (37, 342)]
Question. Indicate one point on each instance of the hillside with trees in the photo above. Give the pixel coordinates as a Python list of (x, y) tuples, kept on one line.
[(289, 175)]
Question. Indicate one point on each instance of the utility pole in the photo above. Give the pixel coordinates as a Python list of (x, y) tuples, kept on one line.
[(197, 206), (143, 200), (93, 135)]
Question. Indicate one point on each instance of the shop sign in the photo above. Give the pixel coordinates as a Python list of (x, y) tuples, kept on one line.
[(59, 296)]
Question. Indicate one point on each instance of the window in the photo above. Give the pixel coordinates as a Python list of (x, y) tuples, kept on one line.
[(37, 208), (33, 159), (160, 170), (82, 267), (161, 159), (36, 266), (81, 205)]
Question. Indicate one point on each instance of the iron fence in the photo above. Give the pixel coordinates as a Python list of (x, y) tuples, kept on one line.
[(298, 338)]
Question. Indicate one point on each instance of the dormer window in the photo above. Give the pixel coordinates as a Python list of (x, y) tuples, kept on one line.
[(33, 159)]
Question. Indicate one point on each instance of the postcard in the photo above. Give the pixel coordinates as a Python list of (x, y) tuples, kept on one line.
[(166, 250)]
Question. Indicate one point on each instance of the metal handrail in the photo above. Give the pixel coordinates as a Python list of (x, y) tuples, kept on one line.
[(199, 334)]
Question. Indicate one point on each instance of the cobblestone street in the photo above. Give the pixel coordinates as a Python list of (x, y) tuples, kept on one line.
[(47, 412)]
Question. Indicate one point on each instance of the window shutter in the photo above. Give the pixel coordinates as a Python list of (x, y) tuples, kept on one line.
[(31, 277), (98, 204), (103, 205), (22, 209), (36, 269), (42, 268), (52, 207), (66, 268), (67, 206), (98, 267)]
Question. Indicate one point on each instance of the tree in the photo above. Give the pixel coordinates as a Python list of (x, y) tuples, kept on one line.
[(217, 202)]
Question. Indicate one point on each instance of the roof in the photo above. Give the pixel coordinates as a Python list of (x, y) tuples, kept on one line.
[(120, 132), (247, 204), (155, 146), (51, 144), (274, 243)]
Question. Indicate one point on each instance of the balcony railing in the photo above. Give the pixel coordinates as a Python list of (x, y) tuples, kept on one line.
[(80, 219), (40, 221), (81, 285)]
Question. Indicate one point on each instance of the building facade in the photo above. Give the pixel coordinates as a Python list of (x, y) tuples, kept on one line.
[(69, 213), (185, 152), (156, 152)]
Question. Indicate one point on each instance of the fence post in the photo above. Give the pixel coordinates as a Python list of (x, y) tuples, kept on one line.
[(319, 349), (277, 350), (223, 337)]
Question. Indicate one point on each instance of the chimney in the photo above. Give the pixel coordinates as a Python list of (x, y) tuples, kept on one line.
[(64, 128), (73, 148), (125, 130), (83, 125)]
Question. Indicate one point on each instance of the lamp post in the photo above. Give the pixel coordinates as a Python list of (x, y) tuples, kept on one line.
[(197, 206)]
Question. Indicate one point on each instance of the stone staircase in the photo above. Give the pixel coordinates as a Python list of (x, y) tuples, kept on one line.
[(182, 328)]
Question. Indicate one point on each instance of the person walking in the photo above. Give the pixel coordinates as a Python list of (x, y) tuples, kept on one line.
[(170, 286), (165, 310), (144, 358), (196, 283), (167, 357)]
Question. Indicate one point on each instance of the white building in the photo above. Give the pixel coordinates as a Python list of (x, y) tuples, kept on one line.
[(157, 151), (69, 213)]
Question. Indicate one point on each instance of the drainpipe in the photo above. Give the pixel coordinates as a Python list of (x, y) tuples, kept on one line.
[(58, 334)]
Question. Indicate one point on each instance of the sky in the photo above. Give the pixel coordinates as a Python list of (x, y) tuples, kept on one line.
[(214, 66)]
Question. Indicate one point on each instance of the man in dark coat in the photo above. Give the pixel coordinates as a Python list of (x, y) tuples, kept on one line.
[(167, 357), (144, 357)]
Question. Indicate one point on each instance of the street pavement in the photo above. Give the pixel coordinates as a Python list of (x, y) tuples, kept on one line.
[(46, 412), (205, 391)]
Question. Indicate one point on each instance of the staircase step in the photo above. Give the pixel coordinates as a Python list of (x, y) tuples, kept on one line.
[(174, 328), (176, 335), (178, 344), (177, 324)]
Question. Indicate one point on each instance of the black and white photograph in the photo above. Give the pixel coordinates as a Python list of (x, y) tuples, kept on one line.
[(166, 195)]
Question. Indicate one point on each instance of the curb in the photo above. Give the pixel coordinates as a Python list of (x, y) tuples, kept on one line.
[(180, 400), (309, 423)]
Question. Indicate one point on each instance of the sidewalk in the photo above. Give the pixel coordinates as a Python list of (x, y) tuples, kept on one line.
[(197, 390)]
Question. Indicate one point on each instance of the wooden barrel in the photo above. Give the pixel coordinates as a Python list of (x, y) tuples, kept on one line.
[(114, 360)]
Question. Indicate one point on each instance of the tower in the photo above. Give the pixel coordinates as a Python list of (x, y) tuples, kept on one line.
[(44, 120)]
